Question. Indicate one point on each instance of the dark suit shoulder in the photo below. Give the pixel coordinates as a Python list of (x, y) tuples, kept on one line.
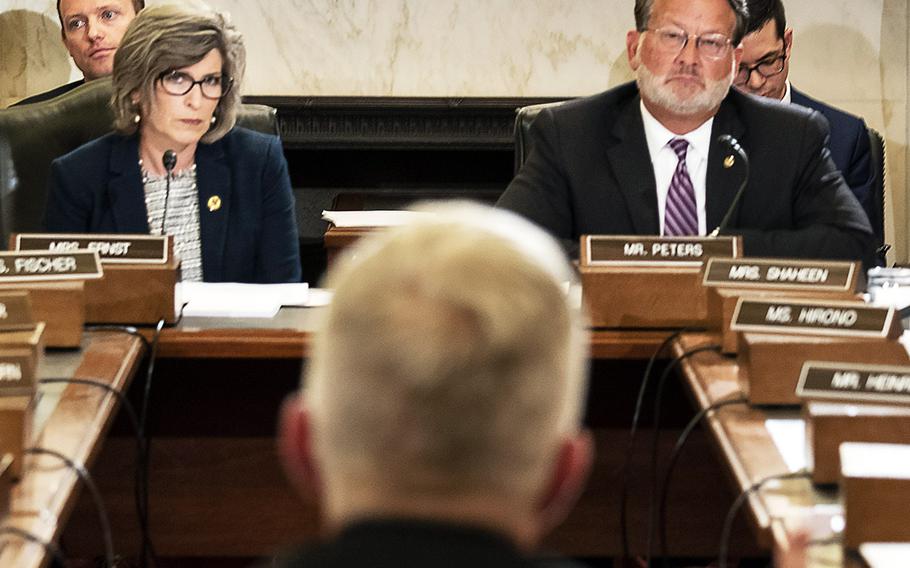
[(833, 114)]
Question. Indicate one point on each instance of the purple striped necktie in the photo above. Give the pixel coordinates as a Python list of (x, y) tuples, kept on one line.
[(681, 212)]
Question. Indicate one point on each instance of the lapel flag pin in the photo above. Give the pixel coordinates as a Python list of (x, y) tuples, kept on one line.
[(729, 161), (214, 203)]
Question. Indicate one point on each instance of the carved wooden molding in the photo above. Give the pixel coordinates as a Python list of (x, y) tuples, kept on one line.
[(396, 123)]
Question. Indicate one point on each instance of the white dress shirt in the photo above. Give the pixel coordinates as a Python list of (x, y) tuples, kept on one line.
[(664, 162)]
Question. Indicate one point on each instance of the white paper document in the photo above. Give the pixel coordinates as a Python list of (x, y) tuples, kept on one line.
[(789, 436), (234, 300), (347, 219)]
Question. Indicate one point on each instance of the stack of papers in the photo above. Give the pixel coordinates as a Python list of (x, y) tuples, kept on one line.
[(233, 300), (349, 219)]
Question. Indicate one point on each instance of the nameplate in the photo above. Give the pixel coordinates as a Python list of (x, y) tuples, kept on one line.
[(780, 274), (17, 375), (854, 382), (15, 311), (112, 249), (631, 250), (852, 319), (38, 265)]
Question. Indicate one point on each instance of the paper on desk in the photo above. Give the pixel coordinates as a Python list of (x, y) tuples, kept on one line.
[(234, 300), (789, 436), (371, 218)]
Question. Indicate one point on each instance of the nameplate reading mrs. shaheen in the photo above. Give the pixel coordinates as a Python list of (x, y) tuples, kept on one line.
[(854, 382), (112, 249), (632, 250), (825, 276), (39, 265), (15, 311), (852, 319)]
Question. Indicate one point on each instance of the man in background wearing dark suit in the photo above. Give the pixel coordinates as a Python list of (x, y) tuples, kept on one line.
[(645, 158), (91, 31), (763, 71), (439, 423)]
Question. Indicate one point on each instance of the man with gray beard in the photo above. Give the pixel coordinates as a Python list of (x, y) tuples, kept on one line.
[(646, 157)]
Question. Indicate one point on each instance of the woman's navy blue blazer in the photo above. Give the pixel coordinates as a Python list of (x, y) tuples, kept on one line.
[(250, 237)]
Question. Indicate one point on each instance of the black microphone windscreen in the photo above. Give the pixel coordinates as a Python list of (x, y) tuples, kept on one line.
[(169, 159)]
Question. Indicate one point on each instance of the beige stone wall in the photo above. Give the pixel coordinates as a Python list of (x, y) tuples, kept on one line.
[(851, 53)]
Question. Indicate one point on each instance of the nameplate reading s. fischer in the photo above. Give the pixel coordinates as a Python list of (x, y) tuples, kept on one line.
[(851, 319), (15, 311), (112, 249), (631, 250), (38, 265), (781, 274), (854, 382)]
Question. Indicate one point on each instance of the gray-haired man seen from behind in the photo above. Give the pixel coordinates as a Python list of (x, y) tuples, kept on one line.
[(439, 424)]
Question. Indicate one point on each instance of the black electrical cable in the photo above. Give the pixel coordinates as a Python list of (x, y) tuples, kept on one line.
[(671, 464), (658, 395), (49, 547), (633, 430), (738, 503), (142, 471), (134, 421), (103, 519), (147, 548)]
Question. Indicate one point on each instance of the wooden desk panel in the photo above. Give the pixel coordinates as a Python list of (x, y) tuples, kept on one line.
[(746, 447), (287, 336), (73, 421)]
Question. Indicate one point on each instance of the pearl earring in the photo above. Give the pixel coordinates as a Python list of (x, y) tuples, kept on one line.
[(137, 119), (214, 119)]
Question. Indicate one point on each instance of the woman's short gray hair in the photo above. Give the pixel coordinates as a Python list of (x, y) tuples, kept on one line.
[(166, 37)]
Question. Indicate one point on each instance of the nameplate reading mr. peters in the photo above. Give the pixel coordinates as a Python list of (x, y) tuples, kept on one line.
[(854, 382), (780, 274), (854, 319), (132, 249), (37, 265), (604, 250)]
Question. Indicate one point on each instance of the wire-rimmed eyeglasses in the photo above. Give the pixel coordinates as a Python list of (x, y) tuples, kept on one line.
[(712, 46)]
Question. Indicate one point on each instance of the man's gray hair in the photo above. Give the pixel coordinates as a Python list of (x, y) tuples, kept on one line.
[(167, 37), (643, 16), (451, 361)]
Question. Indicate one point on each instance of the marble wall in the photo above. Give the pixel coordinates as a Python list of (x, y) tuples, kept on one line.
[(852, 53)]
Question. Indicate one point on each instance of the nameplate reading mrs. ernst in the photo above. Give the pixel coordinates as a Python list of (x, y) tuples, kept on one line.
[(854, 382), (781, 274), (852, 319), (15, 311), (38, 265), (631, 250), (112, 249)]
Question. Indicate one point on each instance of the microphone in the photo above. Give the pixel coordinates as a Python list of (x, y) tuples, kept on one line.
[(733, 143), (168, 160)]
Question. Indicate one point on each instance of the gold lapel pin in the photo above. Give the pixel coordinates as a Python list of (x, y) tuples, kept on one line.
[(214, 203), (729, 161)]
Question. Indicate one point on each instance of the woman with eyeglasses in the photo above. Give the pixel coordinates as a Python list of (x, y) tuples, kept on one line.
[(176, 163)]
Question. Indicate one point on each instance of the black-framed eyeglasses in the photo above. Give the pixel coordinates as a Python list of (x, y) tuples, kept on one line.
[(178, 83), (674, 40), (767, 68)]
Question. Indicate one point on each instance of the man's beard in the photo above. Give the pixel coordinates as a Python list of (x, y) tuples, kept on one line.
[(654, 89)]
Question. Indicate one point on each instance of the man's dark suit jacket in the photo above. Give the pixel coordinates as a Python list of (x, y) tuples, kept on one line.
[(48, 95), (406, 543), (849, 145), (589, 172), (251, 237)]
